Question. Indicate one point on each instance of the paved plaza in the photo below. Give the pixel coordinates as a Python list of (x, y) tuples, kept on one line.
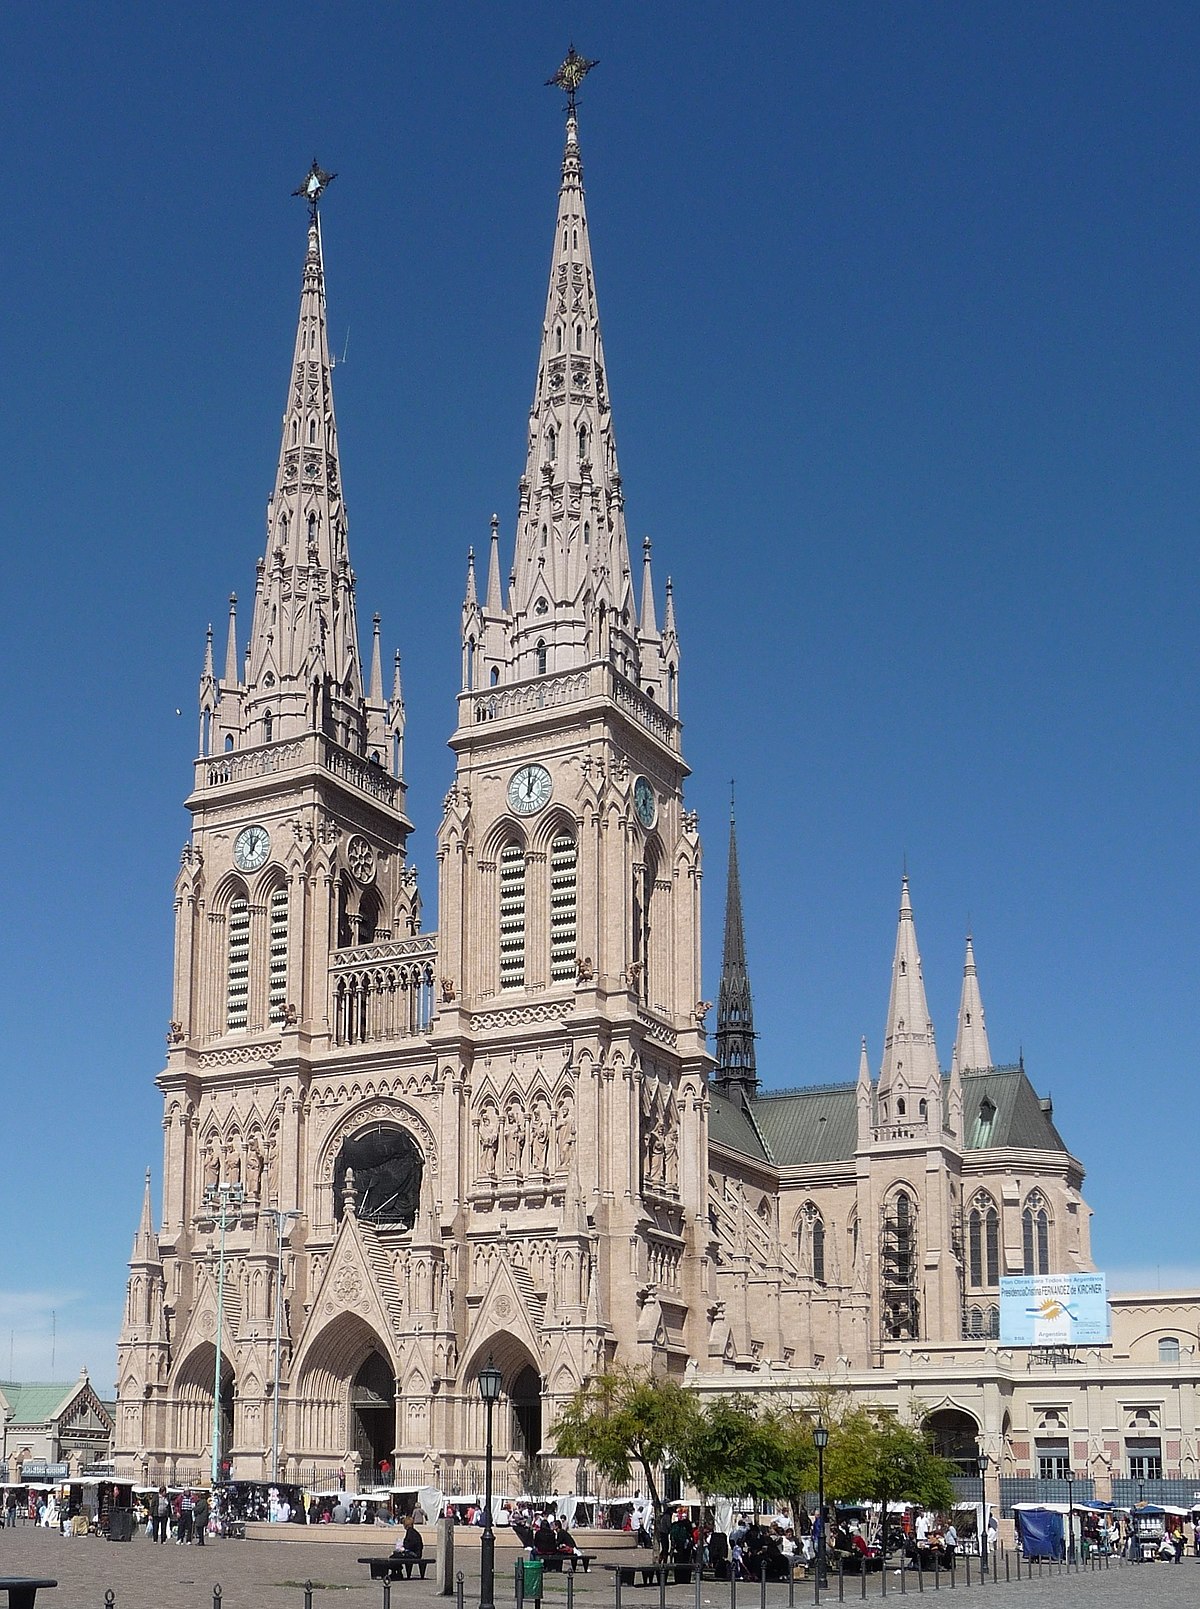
[(271, 1575)]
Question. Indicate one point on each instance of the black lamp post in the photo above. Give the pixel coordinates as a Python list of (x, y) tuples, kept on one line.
[(982, 1461), (1070, 1516), (820, 1442), (490, 1382), (1135, 1528)]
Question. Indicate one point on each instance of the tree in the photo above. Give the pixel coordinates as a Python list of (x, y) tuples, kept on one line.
[(872, 1454), (626, 1419), (735, 1450)]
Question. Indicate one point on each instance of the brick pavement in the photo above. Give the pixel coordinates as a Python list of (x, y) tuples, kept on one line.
[(271, 1575)]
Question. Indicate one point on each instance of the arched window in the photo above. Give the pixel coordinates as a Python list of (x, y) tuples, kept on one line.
[(268, 721), (551, 444), (495, 674), (898, 1253), (901, 1107), (1168, 1349), (277, 996), (237, 977), (983, 1243), (295, 431), (312, 527), (541, 657), (312, 432), (512, 917), (643, 898), (228, 742), (558, 337), (817, 1231), (923, 1108), (579, 337), (583, 441), (1035, 1234), (587, 534), (470, 662), (563, 863)]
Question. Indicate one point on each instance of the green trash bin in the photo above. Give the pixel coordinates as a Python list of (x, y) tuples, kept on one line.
[(531, 1578)]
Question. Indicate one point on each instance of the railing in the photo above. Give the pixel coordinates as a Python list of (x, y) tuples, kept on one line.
[(1029, 1489), (241, 765), (915, 1130), (571, 687), (383, 992)]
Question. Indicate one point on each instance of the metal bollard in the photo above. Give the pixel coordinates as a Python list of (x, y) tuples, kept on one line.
[(217, 1597), (308, 1591), (662, 1585), (732, 1583), (570, 1588), (937, 1575), (698, 1582), (791, 1584), (519, 1585), (459, 1590), (110, 1599), (387, 1595), (903, 1574), (616, 1589), (920, 1573), (953, 1562)]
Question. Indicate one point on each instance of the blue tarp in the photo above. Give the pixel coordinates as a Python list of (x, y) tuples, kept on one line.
[(1041, 1533)]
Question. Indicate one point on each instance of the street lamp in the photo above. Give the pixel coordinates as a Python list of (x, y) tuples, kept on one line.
[(982, 1461), (820, 1442), (1070, 1516), (490, 1382), (282, 1219), (224, 1202)]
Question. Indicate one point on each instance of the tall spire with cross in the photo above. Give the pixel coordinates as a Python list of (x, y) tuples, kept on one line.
[(910, 1071), (303, 669), (572, 598), (736, 1066)]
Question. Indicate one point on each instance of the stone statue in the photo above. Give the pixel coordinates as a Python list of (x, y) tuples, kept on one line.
[(489, 1140), (233, 1165), (671, 1158), (514, 1136), (273, 1171), (254, 1170), (565, 1134), (539, 1145), (212, 1169)]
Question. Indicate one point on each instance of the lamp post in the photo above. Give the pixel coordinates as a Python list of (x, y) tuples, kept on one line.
[(490, 1382), (1070, 1516), (1135, 1529), (224, 1202), (820, 1442), (282, 1219), (982, 1461)]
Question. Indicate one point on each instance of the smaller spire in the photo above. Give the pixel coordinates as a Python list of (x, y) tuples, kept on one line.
[(208, 679), (397, 691), (669, 628), (375, 695), (145, 1242), (648, 623), (862, 1096), (472, 597), (909, 1049), (495, 601), (734, 1034), (971, 1048), (231, 670)]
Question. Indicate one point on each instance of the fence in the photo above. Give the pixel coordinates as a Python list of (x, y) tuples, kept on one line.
[(1029, 1489)]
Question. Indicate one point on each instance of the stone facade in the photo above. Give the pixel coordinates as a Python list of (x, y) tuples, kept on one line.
[(503, 1137)]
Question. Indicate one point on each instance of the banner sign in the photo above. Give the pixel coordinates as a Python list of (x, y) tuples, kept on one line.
[(1054, 1310)]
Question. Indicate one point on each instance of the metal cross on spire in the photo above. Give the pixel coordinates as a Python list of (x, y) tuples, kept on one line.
[(571, 74), (316, 182)]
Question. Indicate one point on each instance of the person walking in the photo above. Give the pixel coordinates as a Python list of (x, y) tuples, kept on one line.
[(187, 1509), (200, 1513), (162, 1513)]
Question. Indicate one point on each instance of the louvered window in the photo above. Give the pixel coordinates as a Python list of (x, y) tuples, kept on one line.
[(238, 980), (512, 917), (277, 998), (563, 857)]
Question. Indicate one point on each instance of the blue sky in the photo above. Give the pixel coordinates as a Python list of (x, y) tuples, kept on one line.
[(900, 314)]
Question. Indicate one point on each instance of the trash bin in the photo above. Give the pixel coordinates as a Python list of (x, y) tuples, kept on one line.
[(531, 1578), (120, 1525)]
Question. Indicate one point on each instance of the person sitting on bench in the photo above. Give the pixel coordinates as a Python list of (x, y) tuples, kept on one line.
[(410, 1545)]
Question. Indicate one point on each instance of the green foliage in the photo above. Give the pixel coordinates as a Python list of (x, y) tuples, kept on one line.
[(626, 1419), (735, 1450), (872, 1454)]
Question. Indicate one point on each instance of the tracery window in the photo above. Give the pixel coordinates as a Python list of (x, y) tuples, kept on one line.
[(983, 1243), (813, 1225), (237, 981), (1035, 1234), (512, 917), (901, 1309), (563, 908)]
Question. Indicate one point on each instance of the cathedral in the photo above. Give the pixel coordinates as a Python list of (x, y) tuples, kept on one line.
[(396, 1151)]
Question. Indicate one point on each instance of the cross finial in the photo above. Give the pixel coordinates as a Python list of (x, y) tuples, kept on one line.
[(571, 74), (316, 182)]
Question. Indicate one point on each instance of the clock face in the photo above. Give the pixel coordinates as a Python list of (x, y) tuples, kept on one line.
[(645, 803), (529, 790), (251, 848)]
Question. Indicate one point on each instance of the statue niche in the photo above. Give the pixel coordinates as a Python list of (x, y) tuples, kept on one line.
[(386, 1164)]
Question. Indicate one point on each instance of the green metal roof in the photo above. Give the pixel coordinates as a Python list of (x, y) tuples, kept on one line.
[(800, 1127), (36, 1402)]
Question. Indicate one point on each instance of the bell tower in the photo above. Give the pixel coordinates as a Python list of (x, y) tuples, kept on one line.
[(569, 864)]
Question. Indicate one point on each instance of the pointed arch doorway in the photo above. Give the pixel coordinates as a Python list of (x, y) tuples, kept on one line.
[(373, 1416), (525, 1395)]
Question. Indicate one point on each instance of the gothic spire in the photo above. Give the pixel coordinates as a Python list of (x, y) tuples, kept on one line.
[(145, 1241), (971, 1048), (304, 635), (573, 595), (735, 1007), (231, 663), (910, 1065)]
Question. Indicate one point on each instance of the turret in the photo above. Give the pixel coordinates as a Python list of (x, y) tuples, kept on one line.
[(736, 1067), (910, 1085)]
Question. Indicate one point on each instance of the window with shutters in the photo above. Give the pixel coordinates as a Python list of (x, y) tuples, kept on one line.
[(277, 986), (563, 859), (237, 991), (512, 917)]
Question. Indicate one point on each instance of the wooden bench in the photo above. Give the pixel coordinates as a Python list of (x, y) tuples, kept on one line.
[(396, 1566), (22, 1590), (651, 1573), (572, 1561)]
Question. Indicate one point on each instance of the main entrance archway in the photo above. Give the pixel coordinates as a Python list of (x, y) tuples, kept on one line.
[(373, 1416), (525, 1394)]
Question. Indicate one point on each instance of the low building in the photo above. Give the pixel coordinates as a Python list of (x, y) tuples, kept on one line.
[(51, 1423)]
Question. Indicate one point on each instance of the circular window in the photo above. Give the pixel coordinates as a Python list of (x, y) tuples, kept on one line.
[(387, 1164)]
